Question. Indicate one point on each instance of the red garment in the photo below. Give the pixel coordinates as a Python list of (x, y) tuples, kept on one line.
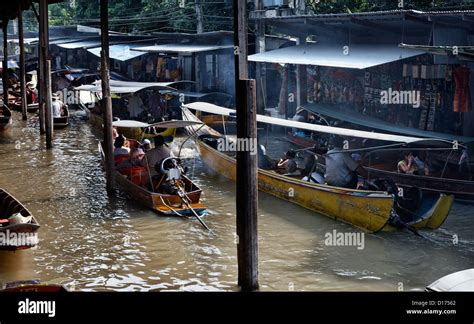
[(462, 96)]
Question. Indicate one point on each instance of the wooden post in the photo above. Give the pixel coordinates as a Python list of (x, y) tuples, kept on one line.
[(106, 98), (5, 61), (43, 54), (301, 82), (24, 103), (260, 69), (48, 113), (247, 191)]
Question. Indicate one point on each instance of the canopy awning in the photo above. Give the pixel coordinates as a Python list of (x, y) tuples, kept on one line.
[(124, 87), (359, 56), (80, 44), (213, 109), (121, 52), (181, 48), (163, 124), (333, 111)]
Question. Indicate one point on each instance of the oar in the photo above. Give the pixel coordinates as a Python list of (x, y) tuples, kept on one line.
[(184, 198)]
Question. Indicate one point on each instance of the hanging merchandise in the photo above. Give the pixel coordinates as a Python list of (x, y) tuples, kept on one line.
[(462, 96)]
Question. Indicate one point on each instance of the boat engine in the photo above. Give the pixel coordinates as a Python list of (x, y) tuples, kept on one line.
[(172, 170), (407, 199)]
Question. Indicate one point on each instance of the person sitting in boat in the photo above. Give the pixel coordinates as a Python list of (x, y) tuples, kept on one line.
[(300, 116), (146, 145), (135, 159), (135, 106), (119, 145), (56, 106), (289, 163), (411, 164), (311, 172), (341, 169), (157, 154), (264, 161)]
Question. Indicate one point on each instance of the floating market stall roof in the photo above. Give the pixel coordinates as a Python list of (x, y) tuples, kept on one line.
[(121, 52), (79, 44), (358, 56), (181, 48), (213, 109), (333, 111)]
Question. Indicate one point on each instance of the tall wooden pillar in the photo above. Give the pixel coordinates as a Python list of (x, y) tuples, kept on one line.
[(45, 76), (5, 61), (260, 69), (106, 98), (24, 103), (247, 191)]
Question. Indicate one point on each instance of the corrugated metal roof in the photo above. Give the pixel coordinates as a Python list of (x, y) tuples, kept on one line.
[(181, 48), (360, 56), (79, 44), (121, 52)]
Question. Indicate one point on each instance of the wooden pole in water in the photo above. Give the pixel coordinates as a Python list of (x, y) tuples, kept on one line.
[(24, 103), (43, 54), (48, 105), (247, 191), (5, 61), (106, 98)]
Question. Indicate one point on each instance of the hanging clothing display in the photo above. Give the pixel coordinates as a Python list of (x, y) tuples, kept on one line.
[(462, 96)]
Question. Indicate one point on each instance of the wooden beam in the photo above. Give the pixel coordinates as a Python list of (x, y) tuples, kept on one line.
[(48, 105), (260, 69), (21, 44), (5, 61), (43, 54), (247, 190), (106, 98), (301, 82)]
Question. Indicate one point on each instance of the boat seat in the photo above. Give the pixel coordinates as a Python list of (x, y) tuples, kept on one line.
[(138, 175), (119, 158)]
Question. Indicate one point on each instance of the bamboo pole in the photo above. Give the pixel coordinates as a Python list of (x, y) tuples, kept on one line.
[(24, 103), (106, 98)]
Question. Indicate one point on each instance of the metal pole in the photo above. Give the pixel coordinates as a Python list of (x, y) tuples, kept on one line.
[(247, 191), (106, 98), (24, 103)]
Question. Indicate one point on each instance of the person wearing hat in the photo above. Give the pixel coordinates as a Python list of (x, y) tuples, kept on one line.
[(146, 145), (56, 105), (289, 163)]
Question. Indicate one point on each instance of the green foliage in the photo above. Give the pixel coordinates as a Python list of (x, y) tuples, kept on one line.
[(137, 16), (343, 6)]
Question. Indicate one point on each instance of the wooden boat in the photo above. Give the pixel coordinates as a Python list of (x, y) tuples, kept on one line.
[(30, 108), (135, 183), (458, 281), (384, 164), (370, 211), (300, 141), (29, 286), (63, 121), (5, 117), (12, 225)]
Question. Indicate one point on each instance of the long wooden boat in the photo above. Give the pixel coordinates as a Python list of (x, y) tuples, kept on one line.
[(5, 117), (134, 183), (30, 108), (32, 286), (300, 141), (16, 224), (134, 133), (370, 211), (63, 121), (450, 182)]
